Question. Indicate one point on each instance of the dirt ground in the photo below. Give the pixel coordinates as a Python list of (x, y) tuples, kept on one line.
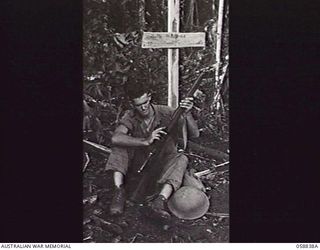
[(135, 226)]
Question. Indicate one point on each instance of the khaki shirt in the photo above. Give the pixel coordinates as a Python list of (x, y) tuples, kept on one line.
[(138, 128)]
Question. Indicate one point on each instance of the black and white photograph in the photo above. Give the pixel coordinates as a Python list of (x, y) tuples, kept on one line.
[(120, 120), (156, 121)]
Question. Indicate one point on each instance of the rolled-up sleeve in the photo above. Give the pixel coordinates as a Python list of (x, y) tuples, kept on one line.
[(126, 121)]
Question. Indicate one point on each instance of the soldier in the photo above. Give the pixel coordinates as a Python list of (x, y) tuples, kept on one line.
[(138, 129)]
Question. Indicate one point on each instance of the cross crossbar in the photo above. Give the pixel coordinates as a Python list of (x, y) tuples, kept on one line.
[(172, 39)]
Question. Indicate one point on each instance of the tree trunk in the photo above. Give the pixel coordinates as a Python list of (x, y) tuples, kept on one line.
[(214, 153), (190, 16), (142, 20), (218, 53), (196, 13), (219, 36)]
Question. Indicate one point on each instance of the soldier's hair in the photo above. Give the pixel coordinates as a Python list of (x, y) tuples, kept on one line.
[(136, 88)]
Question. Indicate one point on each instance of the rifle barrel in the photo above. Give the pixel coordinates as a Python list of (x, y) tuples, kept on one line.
[(151, 165)]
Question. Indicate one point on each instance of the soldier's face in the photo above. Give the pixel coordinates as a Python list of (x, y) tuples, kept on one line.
[(142, 104)]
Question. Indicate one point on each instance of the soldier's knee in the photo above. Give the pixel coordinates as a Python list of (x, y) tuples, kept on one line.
[(184, 159)]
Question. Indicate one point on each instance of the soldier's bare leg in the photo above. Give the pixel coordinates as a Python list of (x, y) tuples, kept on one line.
[(166, 191), (118, 179)]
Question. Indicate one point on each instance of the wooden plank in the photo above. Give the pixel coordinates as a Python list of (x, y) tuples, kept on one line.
[(172, 40), (173, 55)]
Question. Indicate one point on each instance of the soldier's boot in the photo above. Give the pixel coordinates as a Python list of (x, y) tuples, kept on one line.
[(118, 201), (158, 207)]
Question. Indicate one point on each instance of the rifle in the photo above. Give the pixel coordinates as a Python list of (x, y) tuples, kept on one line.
[(152, 168)]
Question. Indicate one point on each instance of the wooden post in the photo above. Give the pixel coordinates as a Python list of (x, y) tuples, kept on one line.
[(173, 55), (173, 40)]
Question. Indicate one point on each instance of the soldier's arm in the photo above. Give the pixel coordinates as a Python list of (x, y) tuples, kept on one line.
[(192, 125), (193, 130), (121, 137)]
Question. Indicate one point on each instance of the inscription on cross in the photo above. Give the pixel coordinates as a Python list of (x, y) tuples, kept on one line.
[(173, 40)]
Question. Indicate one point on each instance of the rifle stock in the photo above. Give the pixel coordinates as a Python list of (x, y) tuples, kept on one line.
[(152, 166)]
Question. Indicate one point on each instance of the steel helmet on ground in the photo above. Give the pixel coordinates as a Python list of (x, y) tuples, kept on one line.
[(188, 203)]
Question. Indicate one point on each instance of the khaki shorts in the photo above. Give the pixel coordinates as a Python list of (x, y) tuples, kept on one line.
[(126, 160)]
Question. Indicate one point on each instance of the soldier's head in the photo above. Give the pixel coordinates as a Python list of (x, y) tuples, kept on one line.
[(139, 97)]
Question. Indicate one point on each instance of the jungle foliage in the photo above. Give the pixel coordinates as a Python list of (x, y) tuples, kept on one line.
[(112, 53), (112, 32)]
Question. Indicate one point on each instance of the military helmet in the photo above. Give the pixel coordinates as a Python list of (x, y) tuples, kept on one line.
[(188, 203)]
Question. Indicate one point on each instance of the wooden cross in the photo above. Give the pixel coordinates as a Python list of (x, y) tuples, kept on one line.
[(173, 40)]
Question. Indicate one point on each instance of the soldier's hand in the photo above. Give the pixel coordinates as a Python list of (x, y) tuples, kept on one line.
[(155, 135), (187, 104)]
